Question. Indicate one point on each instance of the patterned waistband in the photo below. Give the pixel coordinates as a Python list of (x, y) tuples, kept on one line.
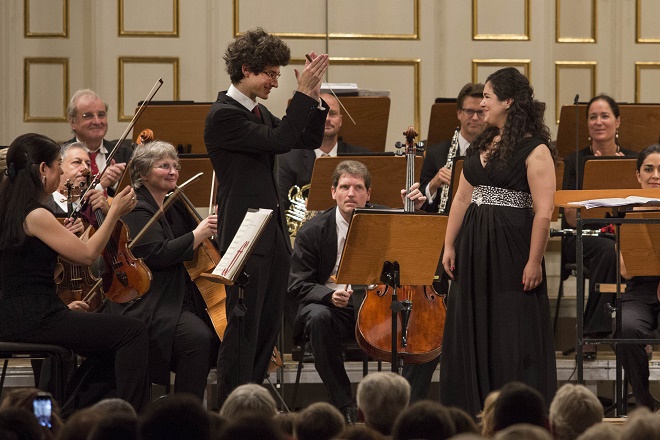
[(490, 195)]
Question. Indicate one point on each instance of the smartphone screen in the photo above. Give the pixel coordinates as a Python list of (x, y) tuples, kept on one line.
[(42, 410)]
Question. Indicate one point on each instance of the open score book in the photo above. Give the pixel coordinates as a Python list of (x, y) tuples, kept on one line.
[(248, 233)]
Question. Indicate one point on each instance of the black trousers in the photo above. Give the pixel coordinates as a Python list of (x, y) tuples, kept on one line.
[(104, 336), (194, 348), (327, 326), (639, 316), (263, 299), (419, 376), (600, 258)]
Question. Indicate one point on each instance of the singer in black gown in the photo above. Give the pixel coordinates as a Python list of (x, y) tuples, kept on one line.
[(498, 329)]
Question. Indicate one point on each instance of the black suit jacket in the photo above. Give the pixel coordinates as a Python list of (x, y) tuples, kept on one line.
[(314, 257), (296, 167), (436, 158), (242, 149)]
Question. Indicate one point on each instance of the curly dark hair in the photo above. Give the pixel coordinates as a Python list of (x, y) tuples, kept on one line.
[(257, 50), (524, 116)]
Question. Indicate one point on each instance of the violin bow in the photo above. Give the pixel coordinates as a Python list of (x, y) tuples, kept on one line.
[(161, 211)]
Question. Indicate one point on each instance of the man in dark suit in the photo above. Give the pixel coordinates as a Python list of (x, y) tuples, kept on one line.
[(243, 138), (471, 123), (88, 116), (326, 310), (296, 166)]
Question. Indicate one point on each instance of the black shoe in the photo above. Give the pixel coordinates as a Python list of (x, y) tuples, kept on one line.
[(350, 413), (308, 354), (589, 352)]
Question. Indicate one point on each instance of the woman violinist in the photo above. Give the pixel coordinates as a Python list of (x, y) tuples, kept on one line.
[(31, 238), (181, 338)]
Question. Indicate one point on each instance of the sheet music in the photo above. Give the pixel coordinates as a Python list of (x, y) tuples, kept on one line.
[(248, 233), (617, 201)]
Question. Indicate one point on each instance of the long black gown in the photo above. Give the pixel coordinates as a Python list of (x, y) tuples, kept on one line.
[(495, 332)]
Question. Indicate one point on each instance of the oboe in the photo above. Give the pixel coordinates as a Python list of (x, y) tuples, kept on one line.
[(444, 194)]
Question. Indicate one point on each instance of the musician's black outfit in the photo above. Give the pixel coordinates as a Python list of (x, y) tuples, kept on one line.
[(30, 311), (243, 146), (181, 336), (599, 254), (326, 326), (640, 310)]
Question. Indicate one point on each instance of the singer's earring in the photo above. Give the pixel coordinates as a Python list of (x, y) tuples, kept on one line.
[(617, 134), (43, 180)]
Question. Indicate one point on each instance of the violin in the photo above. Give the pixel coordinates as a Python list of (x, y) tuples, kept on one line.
[(421, 321), (76, 282)]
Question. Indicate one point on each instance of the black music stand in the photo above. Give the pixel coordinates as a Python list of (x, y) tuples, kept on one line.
[(401, 247)]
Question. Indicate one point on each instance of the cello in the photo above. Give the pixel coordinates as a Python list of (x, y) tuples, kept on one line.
[(421, 320)]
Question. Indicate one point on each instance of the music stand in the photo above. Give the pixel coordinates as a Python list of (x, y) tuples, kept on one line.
[(563, 199), (408, 243), (388, 178)]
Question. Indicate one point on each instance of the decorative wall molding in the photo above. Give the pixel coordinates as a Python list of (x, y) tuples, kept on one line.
[(27, 17), (589, 66), (167, 33), (122, 77), (31, 66), (476, 35), (593, 21), (413, 35)]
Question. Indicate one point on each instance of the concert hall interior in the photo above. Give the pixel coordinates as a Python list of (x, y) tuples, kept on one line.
[(391, 65)]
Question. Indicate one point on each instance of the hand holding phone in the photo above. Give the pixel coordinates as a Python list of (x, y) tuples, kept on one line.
[(43, 408)]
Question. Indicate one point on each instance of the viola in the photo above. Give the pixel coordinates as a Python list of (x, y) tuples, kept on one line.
[(421, 320), (76, 282), (125, 277)]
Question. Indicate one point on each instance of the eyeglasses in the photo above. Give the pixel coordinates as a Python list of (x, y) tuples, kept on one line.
[(89, 116), (271, 74), (471, 113), (168, 167)]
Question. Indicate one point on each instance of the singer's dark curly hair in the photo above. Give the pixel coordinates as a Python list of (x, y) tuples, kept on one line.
[(524, 116), (257, 49)]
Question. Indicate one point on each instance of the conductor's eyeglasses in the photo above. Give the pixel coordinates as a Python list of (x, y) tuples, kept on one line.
[(470, 112), (272, 74)]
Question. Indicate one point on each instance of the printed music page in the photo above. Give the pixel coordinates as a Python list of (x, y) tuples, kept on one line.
[(630, 200), (233, 260)]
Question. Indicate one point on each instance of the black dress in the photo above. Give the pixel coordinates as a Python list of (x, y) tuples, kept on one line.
[(181, 338), (495, 332), (30, 311)]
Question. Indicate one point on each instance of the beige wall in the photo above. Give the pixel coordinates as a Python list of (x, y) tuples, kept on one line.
[(416, 49)]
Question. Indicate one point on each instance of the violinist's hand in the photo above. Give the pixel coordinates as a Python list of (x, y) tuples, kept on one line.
[(124, 201), (206, 228), (98, 200), (449, 260), (78, 306), (75, 226), (340, 297), (415, 195), (112, 174), (309, 82)]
